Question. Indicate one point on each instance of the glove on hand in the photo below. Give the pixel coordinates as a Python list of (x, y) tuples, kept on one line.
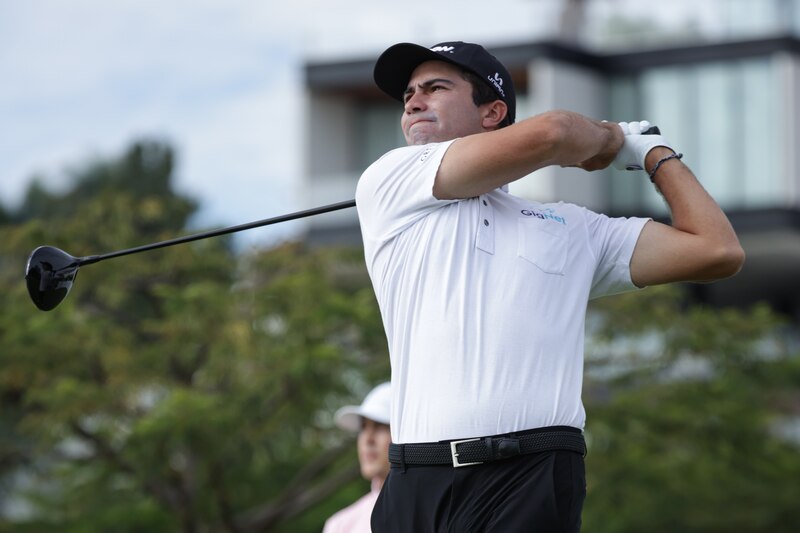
[(637, 145)]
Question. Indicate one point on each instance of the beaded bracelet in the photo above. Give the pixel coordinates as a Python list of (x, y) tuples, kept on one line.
[(671, 156)]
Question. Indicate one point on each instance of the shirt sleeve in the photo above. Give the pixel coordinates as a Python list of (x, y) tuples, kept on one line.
[(397, 190), (613, 241)]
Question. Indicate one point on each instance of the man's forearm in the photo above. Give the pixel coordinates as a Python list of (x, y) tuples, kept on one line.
[(584, 142), (479, 163), (694, 211)]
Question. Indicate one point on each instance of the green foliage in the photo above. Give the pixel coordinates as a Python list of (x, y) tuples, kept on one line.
[(685, 418), (181, 389), (144, 170), (192, 389)]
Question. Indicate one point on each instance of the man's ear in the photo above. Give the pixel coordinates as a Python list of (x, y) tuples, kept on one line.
[(494, 113)]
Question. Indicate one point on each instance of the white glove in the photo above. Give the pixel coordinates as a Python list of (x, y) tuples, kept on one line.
[(631, 155)]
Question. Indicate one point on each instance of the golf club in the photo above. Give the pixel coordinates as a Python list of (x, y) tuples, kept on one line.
[(50, 272)]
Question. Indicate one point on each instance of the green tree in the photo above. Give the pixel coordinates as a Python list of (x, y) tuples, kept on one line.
[(191, 388), (143, 170), (688, 411), (186, 389)]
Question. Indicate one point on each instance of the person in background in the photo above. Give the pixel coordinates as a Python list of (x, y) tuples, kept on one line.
[(371, 421)]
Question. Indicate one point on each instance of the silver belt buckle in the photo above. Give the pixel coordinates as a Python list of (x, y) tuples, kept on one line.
[(454, 453)]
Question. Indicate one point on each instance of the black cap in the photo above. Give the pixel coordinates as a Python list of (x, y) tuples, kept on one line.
[(394, 67)]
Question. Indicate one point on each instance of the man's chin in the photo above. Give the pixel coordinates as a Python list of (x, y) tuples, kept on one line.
[(422, 132), (421, 139)]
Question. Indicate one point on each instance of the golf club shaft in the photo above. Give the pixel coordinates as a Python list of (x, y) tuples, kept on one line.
[(88, 260)]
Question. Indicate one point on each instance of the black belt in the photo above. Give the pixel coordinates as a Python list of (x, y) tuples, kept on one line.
[(484, 449)]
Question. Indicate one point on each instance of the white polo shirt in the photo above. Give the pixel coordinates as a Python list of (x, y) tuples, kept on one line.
[(483, 300)]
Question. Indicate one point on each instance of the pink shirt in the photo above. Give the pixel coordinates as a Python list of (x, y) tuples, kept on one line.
[(355, 517)]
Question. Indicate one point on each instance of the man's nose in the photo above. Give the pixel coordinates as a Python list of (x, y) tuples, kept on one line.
[(415, 102)]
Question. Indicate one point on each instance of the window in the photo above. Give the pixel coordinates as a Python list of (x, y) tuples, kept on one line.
[(378, 131), (722, 115)]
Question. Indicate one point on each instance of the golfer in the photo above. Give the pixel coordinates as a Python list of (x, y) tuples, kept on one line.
[(371, 421), (483, 294)]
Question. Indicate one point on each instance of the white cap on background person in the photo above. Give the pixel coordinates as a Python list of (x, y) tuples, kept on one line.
[(374, 407)]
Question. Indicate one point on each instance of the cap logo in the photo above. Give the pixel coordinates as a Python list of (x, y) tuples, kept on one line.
[(497, 81), (448, 49)]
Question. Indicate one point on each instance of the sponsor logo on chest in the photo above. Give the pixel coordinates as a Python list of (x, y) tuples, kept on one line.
[(545, 214)]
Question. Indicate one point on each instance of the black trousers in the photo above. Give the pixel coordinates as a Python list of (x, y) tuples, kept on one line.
[(541, 492)]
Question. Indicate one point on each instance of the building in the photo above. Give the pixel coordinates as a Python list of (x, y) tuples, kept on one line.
[(731, 105)]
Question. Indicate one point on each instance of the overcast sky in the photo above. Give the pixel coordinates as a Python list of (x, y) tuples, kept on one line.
[(219, 79)]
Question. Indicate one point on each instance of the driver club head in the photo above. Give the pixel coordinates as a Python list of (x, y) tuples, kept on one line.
[(49, 275), (51, 272)]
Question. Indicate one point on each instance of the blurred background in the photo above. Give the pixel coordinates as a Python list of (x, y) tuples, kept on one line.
[(192, 389)]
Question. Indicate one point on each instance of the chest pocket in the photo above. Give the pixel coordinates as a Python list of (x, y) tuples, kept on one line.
[(544, 244)]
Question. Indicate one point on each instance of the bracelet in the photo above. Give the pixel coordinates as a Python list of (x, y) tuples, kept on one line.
[(655, 168)]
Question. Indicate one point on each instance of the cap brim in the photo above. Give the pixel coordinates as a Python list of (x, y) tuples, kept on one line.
[(349, 418), (395, 66)]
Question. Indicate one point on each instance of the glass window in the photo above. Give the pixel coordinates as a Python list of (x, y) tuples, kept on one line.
[(626, 188), (794, 16), (524, 107), (378, 131), (760, 147), (745, 17), (718, 132), (722, 115)]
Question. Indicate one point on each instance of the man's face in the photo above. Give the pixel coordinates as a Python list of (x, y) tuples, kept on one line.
[(373, 449), (438, 105)]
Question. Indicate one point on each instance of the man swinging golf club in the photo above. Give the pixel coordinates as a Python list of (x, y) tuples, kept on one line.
[(483, 294)]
